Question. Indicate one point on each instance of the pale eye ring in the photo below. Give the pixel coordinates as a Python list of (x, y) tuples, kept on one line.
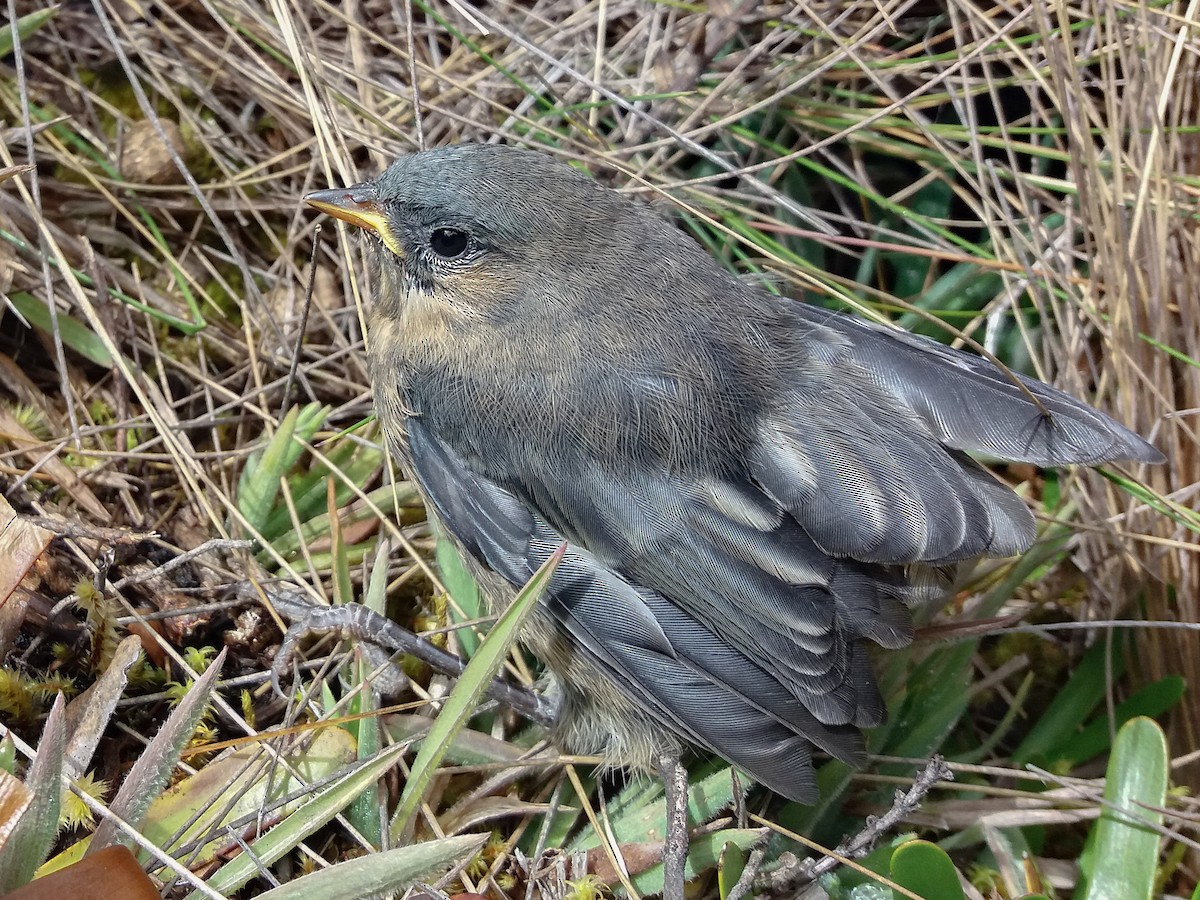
[(449, 243)]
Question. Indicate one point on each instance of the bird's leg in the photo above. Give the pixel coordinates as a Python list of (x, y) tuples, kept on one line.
[(371, 629), (675, 845), (739, 798)]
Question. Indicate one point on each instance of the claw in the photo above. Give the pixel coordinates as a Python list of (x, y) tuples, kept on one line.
[(382, 639)]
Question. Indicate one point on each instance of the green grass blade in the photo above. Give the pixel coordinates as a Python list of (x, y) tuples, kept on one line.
[(470, 687), (285, 836), (380, 873), (24, 26)]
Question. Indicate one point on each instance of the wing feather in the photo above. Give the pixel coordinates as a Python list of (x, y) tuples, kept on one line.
[(734, 601), (970, 404)]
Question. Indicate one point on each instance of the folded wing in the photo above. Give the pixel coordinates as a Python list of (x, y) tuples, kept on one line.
[(735, 602)]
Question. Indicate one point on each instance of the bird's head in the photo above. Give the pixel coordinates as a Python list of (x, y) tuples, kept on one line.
[(505, 267), (478, 232)]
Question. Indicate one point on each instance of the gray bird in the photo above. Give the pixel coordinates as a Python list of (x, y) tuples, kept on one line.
[(752, 489)]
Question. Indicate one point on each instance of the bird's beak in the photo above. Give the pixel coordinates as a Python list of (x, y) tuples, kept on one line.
[(359, 205)]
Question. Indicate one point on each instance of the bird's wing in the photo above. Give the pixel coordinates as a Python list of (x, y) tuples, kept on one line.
[(708, 690), (865, 446), (970, 404), (737, 601)]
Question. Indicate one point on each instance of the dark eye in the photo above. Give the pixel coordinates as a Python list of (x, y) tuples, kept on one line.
[(449, 243)]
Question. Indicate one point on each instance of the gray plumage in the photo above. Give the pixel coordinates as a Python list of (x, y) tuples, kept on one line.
[(753, 490)]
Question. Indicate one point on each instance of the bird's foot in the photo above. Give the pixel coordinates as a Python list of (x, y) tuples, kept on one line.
[(381, 639)]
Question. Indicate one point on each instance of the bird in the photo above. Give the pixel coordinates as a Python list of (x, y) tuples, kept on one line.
[(752, 490)]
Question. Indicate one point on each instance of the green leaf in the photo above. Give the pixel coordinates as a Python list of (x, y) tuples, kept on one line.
[(8, 755), (1150, 701), (926, 870), (1121, 856), (287, 540), (351, 459), (933, 201), (638, 815), (462, 589), (1010, 850), (343, 586), (704, 854), (639, 812), (730, 867), (469, 748), (936, 696), (33, 835), (25, 26), (75, 335), (258, 487), (966, 287), (364, 812), (1071, 706)]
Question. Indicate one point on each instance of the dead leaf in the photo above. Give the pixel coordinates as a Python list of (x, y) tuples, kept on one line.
[(53, 468), (21, 545)]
